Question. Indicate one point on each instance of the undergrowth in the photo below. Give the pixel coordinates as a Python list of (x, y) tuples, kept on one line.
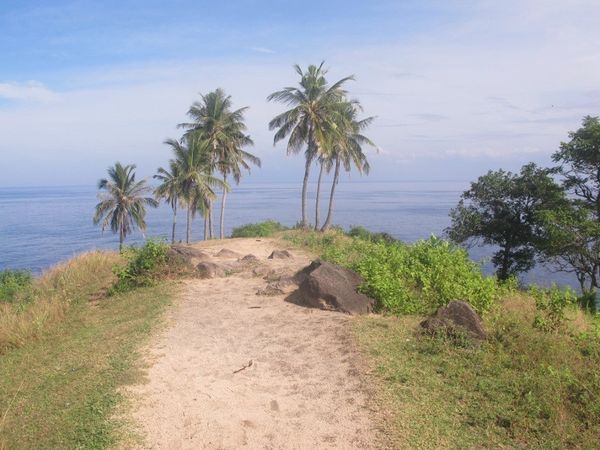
[(261, 229)]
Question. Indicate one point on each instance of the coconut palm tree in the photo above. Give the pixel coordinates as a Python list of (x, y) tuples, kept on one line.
[(122, 206), (310, 121), (223, 130), (196, 183), (169, 189), (347, 151)]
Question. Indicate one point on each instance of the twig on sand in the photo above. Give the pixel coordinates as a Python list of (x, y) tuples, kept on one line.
[(254, 307), (244, 367)]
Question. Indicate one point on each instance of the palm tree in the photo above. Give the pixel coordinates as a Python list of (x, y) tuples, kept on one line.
[(310, 121), (196, 182), (347, 150), (223, 131), (123, 205), (169, 189)]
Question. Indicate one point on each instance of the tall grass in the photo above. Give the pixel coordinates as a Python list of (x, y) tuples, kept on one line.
[(32, 311)]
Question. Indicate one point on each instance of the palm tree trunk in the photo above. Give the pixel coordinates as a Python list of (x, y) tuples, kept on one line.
[(121, 239), (318, 197), (223, 207), (174, 222), (205, 214), (189, 225), (305, 192), (210, 221), (336, 177)]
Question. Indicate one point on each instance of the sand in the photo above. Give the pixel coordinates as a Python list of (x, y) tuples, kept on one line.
[(299, 386)]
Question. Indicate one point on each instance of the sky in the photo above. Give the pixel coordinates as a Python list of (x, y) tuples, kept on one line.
[(457, 87)]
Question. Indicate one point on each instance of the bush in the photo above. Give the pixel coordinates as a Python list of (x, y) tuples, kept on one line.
[(261, 229), (360, 232), (408, 279), (144, 266), (12, 282), (551, 305)]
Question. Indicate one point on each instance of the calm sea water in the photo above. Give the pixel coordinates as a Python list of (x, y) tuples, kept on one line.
[(40, 226)]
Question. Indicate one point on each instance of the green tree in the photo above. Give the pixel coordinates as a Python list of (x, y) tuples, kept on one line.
[(224, 132), (572, 240), (122, 205), (579, 164), (347, 149), (192, 158), (310, 121), (169, 190), (502, 209)]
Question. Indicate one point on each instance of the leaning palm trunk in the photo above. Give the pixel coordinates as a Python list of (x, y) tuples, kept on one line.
[(305, 192), (327, 223), (318, 197), (174, 222), (222, 235), (189, 225), (121, 238)]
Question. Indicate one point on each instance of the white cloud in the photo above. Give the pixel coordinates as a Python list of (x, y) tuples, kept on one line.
[(263, 50), (31, 91)]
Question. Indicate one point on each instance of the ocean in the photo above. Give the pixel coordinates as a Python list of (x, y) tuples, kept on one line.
[(40, 226)]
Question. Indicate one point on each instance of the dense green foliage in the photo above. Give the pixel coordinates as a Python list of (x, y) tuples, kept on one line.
[(145, 265), (261, 229), (501, 208), (405, 279), (358, 231), (12, 282), (551, 305)]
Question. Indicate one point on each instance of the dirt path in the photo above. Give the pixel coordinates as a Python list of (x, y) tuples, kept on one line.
[(302, 390)]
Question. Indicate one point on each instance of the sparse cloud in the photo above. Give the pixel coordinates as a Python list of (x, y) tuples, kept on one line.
[(263, 50), (30, 91)]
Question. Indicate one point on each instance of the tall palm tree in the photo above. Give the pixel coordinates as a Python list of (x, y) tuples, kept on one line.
[(196, 182), (348, 149), (169, 189), (224, 132), (123, 204), (310, 121)]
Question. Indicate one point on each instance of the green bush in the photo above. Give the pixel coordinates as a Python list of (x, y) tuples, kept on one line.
[(360, 232), (408, 279), (144, 265), (261, 229), (551, 304), (13, 282)]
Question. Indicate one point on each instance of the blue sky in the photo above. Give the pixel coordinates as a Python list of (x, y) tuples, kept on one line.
[(458, 87)]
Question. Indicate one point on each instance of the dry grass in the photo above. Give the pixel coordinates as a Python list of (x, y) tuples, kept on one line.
[(80, 279)]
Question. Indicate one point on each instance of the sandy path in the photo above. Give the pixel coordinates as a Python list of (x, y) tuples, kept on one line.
[(302, 390)]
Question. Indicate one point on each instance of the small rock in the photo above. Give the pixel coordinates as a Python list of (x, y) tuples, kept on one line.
[(280, 254), (249, 259), (210, 270), (226, 253), (189, 252), (455, 318)]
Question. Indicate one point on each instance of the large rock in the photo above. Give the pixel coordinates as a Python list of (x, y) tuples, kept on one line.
[(454, 319), (280, 254), (332, 287), (189, 252), (226, 253), (248, 259), (210, 270)]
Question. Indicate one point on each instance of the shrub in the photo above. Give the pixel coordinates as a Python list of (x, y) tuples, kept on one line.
[(407, 279), (261, 229), (12, 282), (144, 266), (551, 304), (360, 232)]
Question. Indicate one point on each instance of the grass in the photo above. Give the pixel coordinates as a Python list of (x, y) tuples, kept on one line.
[(521, 389), (68, 351)]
